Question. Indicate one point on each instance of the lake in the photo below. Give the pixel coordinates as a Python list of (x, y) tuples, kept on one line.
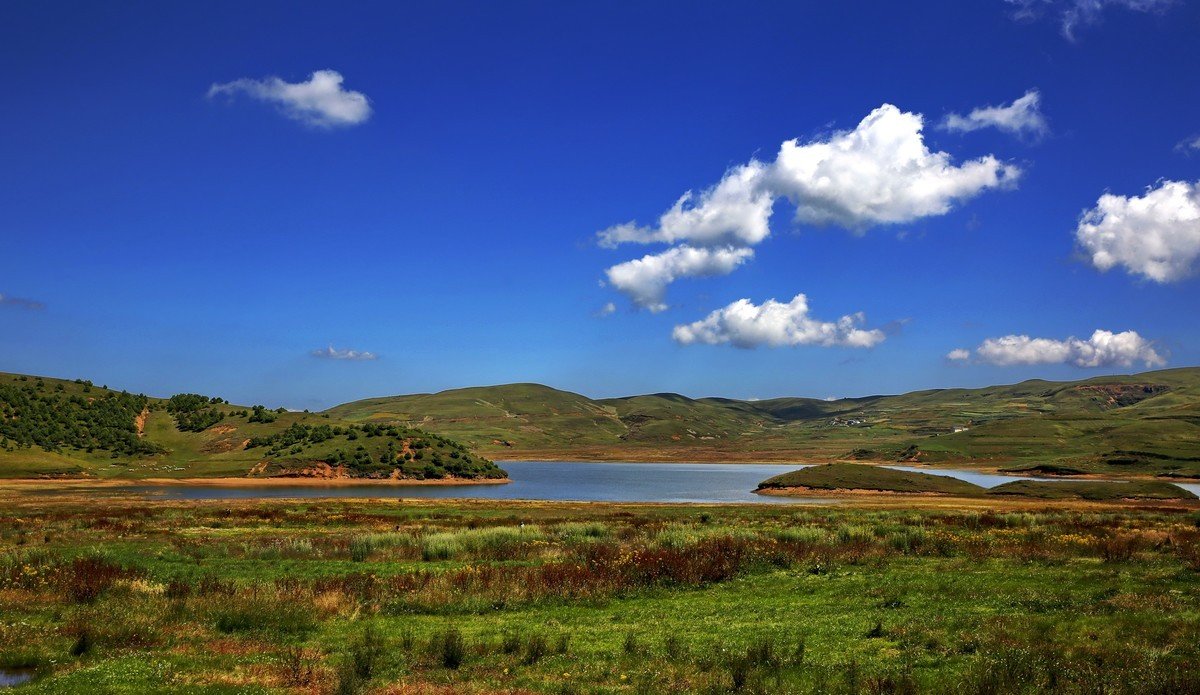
[(583, 482)]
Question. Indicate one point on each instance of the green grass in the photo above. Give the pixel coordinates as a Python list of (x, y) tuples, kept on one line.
[(1093, 490), (849, 476), (321, 596)]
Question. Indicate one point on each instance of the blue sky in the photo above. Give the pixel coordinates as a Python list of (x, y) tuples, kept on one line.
[(163, 235)]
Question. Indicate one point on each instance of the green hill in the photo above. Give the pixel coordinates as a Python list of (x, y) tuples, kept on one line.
[(53, 427), (1141, 424), (850, 476)]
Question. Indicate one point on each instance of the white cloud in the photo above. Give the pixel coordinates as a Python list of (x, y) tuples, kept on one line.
[(1156, 235), (735, 211), (958, 355), (607, 310), (332, 353), (1103, 349), (321, 101), (1191, 142), (775, 324), (1074, 14), (881, 172), (645, 279), (1022, 117)]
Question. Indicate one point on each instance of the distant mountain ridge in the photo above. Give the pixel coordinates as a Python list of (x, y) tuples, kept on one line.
[(1140, 423)]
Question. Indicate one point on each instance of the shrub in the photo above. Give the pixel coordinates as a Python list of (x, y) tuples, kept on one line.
[(366, 652), (1119, 547), (298, 668), (451, 648), (361, 549), (89, 576), (83, 640), (439, 546), (510, 642), (536, 647)]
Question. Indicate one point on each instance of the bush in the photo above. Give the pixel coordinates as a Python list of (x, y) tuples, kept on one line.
[(361, 549), (366, 652), (451, 648), (89, 576), (1119, 547), (536, 647)]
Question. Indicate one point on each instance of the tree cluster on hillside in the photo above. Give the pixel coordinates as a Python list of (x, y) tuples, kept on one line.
[(32, 414), (376, 450), (193, 412)]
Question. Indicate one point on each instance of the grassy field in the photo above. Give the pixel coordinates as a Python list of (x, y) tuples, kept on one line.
[(1144, 424), (111, 593)]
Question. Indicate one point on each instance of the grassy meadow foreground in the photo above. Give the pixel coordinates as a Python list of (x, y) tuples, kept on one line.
[(108, 592)]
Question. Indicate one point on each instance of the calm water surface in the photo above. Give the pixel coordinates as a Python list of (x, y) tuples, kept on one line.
[(12, 678), (548, 480), (586, 482)]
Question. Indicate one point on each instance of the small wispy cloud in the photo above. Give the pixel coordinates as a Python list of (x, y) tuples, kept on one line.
[(1072, 15), (1189, 144), (607, 310), (332, 353), (321, 101), (20, 303), (958, 355), (1023, 117)]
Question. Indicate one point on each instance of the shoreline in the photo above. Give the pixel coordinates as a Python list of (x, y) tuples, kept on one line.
[(942, 466)]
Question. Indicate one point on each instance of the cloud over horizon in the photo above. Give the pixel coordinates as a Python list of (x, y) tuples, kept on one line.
[(879, 173), (1023, 117), (1156, 235), (332, 353), (1102, 349), (776, 324), (321, 101)]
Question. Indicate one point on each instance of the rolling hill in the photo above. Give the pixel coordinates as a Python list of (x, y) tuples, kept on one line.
[(1136, 424), (1143, 424), (53, 427)]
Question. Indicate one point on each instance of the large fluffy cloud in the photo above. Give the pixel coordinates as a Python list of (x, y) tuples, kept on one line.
[(775, 324), (879, 173), (1022, 117), (645, 279), (321, 101), (1156, 235), (1103, 349)]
